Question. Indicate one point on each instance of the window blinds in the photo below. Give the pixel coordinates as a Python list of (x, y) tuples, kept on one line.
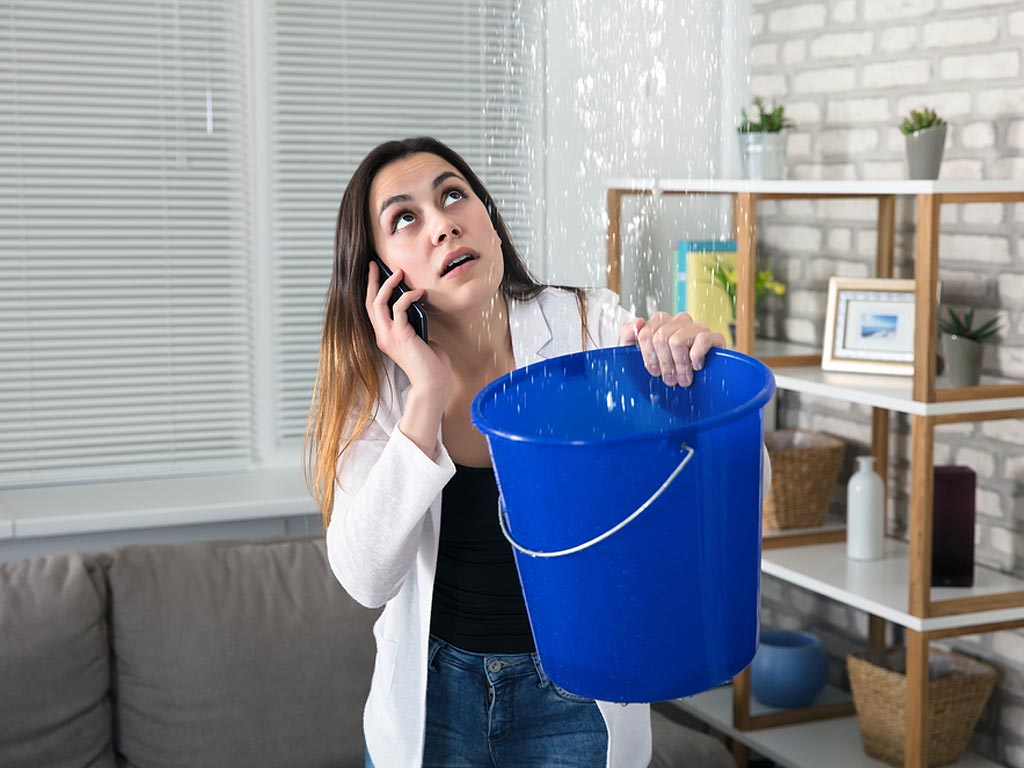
[(124, 275), (349, 75), (129, 284)]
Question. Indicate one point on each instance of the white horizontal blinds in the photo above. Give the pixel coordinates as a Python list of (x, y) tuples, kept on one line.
[(349, 74), (124, 274)]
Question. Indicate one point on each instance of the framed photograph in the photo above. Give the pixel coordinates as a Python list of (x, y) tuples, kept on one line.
[(869, 326)]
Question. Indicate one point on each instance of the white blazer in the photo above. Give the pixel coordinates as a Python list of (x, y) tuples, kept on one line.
[(383, 537)]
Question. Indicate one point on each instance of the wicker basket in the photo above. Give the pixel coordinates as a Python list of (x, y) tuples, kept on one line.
[(805, 466), (958, 688)]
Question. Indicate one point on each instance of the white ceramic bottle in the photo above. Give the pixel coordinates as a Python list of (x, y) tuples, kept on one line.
[(865, 512)]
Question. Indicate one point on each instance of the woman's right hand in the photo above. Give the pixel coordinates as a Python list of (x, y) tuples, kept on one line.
[(426, 364)]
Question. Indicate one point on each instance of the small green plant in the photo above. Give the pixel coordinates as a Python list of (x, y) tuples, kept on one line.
[(765, 284), (767, 120), (919, 119), (963, 326)]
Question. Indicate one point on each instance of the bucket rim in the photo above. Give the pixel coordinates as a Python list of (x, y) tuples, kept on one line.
[(489, 430)]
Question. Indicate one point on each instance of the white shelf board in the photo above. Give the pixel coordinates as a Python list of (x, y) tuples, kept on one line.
[(819, 187), (830, 524), (835, 741), (881, 587), (6, 529), (894, 393), (101, 507), (775, 348)]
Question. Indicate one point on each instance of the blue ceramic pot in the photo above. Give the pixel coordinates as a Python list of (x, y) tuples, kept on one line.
[(789, 669)]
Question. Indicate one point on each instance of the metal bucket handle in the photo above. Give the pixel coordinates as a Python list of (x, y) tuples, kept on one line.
[(609, 532)]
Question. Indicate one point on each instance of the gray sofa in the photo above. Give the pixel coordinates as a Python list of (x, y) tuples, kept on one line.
[(216, 654)]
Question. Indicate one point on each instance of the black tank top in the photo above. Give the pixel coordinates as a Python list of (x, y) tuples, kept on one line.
[(478, 601)]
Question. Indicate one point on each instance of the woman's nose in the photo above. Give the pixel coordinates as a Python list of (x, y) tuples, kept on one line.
[(445, 229)]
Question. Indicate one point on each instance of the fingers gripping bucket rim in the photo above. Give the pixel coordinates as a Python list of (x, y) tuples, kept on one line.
[(634, 512)]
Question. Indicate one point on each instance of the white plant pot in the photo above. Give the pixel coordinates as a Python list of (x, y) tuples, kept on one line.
[(763, 155)]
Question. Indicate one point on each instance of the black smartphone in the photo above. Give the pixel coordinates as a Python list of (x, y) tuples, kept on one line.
[(416, 314)]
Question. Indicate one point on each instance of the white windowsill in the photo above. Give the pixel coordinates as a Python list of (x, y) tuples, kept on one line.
[(165, 502)]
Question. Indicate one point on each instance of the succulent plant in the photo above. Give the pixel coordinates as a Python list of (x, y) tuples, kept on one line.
[(919, 119), (767, 120), (963, 326)]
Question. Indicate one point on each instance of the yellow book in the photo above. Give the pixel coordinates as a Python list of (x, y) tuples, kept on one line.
[(706, 300)]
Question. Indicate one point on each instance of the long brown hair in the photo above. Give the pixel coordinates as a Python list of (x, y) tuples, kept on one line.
[(348, 378)]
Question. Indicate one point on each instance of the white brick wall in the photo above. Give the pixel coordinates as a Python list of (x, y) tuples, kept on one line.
[(794, 52), (887, 10), (798, 18), (848, 71), (949, 104), (898, 39), (842, 46), (982, 66), (847, 143), (1016, 24), (978, 135), (1015, 135), (876, 110), (974, 248), (825, 80), (957, 4), (804, 113), (999, 102), (893, 73), (768, 86), (844, 11), (960, 32)]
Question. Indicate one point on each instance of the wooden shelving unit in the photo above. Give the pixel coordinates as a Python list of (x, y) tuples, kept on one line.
[(896, 589), (833, 742)]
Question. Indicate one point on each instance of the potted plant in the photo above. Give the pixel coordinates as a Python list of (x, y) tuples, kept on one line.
[(765, 285), (762, 138), (961, 343), (926, 139)]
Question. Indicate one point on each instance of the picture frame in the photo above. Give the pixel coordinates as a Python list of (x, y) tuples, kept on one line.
[(869, 326)]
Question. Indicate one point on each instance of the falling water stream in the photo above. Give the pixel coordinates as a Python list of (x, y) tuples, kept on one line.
[(631, 91)]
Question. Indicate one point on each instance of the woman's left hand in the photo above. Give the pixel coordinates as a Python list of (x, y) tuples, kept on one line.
[(673, 347)]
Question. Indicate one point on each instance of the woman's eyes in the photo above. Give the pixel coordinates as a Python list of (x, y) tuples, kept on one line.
[(405, 218), (401, 220), (457, 193)]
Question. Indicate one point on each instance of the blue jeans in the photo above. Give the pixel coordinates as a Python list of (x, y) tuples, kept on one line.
[(502, 711)]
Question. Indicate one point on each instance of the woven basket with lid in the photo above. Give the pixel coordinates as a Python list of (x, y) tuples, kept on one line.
[(805, 466)]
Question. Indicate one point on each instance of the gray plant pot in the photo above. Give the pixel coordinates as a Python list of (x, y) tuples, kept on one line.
[(763, 155), (924, 152), (963, 360)]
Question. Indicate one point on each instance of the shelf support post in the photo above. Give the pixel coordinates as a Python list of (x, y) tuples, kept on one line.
[(741, 700), (915, 752), (614, 276), (922, 439), (926, 275), (880, 450), (886, 235), (876, 632), (745, 213)]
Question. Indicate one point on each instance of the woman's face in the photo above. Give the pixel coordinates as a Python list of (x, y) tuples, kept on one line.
[(428, 223)]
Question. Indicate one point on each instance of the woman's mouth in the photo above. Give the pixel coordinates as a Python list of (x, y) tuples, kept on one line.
[(456, 260)]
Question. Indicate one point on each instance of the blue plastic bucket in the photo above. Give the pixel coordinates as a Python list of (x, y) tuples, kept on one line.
[(635, 514)]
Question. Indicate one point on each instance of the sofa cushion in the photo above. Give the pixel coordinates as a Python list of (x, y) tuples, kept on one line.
[(54, 665), (237, 654), (679, 746)]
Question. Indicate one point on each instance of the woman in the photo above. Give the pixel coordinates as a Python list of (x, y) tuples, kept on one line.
[(404, 479)]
